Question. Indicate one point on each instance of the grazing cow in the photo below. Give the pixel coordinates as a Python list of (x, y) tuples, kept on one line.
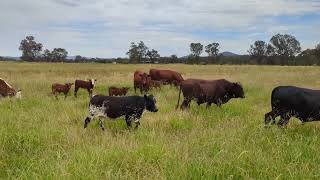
[(61, 88), (114, 91), (291, 101), (7, 90), (140, 80), (204, 91), (168, 76), (132, 107), (88, 85)]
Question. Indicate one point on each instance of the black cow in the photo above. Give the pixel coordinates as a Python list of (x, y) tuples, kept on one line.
[(132, 107), (291, 101)]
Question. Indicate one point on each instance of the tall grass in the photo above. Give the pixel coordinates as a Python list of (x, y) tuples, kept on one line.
[(43, 138)]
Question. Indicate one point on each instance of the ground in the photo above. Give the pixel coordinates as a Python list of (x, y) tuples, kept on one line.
[(43, 138)]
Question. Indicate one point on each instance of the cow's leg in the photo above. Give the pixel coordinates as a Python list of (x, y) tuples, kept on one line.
[(87, 121), (76, 91), (137, 124), (101, 124), (284, 119), (186, 103), (65, 95), (90, 93), (128, 121)]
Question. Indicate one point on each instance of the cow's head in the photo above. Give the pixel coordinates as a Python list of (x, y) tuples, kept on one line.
[(125, 89), (69, 84), (92, 81), (144, 78), (237, 90), (151, 103), (18, 94)]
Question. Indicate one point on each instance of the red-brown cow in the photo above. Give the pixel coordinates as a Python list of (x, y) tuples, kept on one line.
[(168, 76), (61, 88), (7, 90), (140, 80), (114, 91), (205, 91), (88, 85)]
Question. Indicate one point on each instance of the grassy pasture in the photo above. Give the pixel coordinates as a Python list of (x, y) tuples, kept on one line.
[(43, 138)]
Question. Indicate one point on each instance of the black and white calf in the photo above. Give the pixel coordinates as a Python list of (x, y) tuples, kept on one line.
[(132, 107), (290, 101)]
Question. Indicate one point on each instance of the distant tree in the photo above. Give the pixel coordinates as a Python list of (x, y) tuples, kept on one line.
[(212, 50), (196, 50), (47, 55), (137, 52), (59, 54), (153, 55), (285, 45), (31, 50), (173, 58), (318, 50), (258, 51)]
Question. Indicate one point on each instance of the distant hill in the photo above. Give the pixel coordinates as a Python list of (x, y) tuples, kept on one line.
[(10, 57), (229, 54)]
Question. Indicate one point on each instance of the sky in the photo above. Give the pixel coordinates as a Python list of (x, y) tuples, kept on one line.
[(105, 28)]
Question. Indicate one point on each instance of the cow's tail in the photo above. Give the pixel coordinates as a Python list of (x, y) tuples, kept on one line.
[(179, 97)]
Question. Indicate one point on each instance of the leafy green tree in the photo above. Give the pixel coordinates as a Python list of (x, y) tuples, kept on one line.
[(196, 50), (212, 50), (47, 55), (153, 55), (137, 52), (59, 54), (318, 50), (31, 50), (286, 45)]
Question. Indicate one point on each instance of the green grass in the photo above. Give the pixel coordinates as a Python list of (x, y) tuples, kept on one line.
[(43, 138)]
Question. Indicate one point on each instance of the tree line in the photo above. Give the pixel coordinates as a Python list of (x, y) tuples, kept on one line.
[(282, 49)]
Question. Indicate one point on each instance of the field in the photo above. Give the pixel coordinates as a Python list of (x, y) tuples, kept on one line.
[(43, 138)]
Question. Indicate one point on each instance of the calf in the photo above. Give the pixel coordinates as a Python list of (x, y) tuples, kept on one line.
[(88, 85), (114, 91), (155, 83), (61, 88), (132, 107), (140, 81), (8, 91), (291, 101)]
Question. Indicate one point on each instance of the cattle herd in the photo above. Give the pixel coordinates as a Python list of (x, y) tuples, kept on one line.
[(286, 101)]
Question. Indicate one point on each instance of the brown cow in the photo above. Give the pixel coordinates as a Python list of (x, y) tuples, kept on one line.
[(7, 90), (114, 91), (140, 80), (61, 88), (155, 83), (88, 85), (216, 91), (168, 76)]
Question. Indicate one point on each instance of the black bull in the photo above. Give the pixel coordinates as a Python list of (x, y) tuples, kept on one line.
[(290, 101), (209, 91)]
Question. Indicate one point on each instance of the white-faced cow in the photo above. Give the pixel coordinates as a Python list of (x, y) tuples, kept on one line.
[(88, 85), (7, 90), (291, 101), (132, 107)]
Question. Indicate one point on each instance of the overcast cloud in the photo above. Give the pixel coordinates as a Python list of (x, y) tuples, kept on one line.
[(105, 28)]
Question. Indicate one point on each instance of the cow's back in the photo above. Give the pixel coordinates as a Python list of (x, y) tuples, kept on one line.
[(301, 100)]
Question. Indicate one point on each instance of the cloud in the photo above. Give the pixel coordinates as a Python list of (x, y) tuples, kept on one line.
[(105, 28)]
